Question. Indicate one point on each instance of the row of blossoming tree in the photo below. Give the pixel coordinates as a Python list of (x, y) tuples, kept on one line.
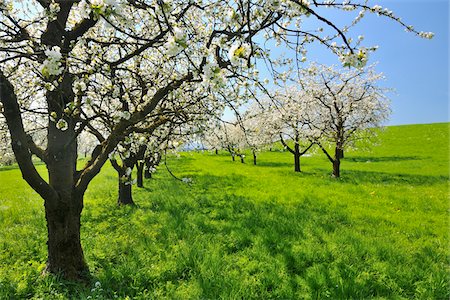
[(327, 107), (113, 68)]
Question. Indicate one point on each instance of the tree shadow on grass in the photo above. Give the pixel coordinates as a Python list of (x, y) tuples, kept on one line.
[(381, 159), (16, 167), (8, 168), (370, 177), (274, 164)]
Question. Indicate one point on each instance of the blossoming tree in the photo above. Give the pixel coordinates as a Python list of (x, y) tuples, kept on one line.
[(350, 107), (257, 127), (293, 117), (75, 63)]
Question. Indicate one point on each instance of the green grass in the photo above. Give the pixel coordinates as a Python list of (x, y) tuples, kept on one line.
[(253, 232)]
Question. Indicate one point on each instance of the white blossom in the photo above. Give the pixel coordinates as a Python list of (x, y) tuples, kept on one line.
[(62, 125), (238, 53), (52, 65)]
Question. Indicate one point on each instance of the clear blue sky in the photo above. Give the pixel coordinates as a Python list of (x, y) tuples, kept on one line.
[(418, 69)]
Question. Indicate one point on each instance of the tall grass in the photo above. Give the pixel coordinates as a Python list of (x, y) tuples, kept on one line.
[(253, 232)]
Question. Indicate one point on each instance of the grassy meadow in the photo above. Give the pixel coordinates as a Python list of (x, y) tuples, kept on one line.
[(240, 231)]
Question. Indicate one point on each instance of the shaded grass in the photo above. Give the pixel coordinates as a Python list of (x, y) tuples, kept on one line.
[(253, 232)]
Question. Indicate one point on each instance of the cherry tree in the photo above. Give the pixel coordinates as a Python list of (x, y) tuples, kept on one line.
[(128, 152), (350, 106), (258, 127), (81, 63), (213, 137), (152, 158), (236, 140), (223, 135), (293, 115)]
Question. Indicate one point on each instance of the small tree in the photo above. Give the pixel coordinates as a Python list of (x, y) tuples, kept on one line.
[(258, 127), (129, 151), (294, 116)]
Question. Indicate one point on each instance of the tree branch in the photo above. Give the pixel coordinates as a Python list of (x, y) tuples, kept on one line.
[(306, 150), (20, 141), (326, 153), (286, 145)]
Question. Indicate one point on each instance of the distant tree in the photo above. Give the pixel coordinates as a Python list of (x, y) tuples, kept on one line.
[(128, 152), (294, 116), (258, 128), (350, 105), (224, 135)]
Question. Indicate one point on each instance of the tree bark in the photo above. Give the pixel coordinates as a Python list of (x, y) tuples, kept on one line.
[(217, 151), (65, 255), (140, 175), (254, 158), (297, 157), (337, 163), (125, 194), (148, 165)]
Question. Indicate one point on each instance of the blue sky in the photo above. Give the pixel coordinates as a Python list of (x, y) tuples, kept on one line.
[(416, 68)]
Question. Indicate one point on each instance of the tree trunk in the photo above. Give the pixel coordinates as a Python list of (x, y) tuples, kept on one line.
[(140, 177), (254, 158), (297, 158), (340, 153), (217, 151), (65, 255), (63, 213), (337, 163), (125, 195), (147, 173), (242, 158), (232, 157), (336, 168)]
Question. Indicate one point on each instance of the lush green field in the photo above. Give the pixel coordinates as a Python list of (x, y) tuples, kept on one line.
[(241, 231)]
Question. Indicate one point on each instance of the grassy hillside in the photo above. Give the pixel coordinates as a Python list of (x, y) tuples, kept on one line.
[(253, 232)]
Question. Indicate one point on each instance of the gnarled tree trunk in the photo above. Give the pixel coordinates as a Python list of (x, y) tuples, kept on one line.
[(63, 213), (125, 196), (63, 201), (65, 255)]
